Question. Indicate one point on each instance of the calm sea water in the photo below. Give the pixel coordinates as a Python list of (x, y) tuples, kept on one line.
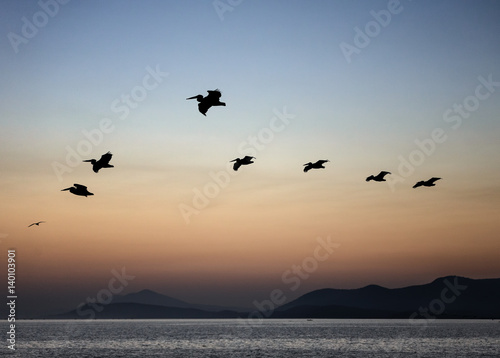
[(269, 338)]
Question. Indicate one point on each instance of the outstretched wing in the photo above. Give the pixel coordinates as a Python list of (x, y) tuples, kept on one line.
[(248, 158), (381, 175), (321, 162), (215, 94), (80, 186), (432, 180), (203, 107), (420, 183), (236, 165), (31, 225), (105, 158)]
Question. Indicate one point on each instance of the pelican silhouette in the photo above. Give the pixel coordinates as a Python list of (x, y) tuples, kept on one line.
[(101, 163), (37, 224), (212, 99), (239, 162), (379, 177), (429, 182), (79, 189), (317, 165)]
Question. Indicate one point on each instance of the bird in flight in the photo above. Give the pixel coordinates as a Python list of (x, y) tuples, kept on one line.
[(101, 163), (79, 189), (239, 162), (212, 99), (429, 182), (317, 165), (379, 177), (37, 224)]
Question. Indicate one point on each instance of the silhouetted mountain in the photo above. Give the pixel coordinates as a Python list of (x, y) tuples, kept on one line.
[(150, 297), (141, 311), (450, 296), (446, 297)]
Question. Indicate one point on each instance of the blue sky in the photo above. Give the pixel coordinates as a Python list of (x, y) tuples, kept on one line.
[(364, 115)]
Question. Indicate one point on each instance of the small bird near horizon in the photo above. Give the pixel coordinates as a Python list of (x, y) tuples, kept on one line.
[(317, 165), (244, 161), (79, 189), (430, 182), (101, 163), (212, 99), (37, 224), (379, 177)]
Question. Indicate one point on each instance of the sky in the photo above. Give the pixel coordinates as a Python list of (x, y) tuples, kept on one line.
[(409, 87)]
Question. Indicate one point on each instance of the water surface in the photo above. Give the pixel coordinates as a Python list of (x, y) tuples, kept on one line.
[(267, 338)]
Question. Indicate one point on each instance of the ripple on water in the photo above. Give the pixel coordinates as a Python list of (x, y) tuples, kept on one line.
[(270, 338)]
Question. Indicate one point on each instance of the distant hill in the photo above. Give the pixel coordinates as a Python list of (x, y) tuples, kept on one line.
[(445, 297), (451, 296), (142, 311), (150, 297)]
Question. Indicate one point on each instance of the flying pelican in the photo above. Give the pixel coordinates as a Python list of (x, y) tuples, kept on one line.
[(429, 182), (239, 162), (78, 189), (317, 165), (37, 224), (101, 163), (212, 99), (379, 177)]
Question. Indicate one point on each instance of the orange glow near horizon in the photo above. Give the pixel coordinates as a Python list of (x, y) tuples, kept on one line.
[(172, 211)]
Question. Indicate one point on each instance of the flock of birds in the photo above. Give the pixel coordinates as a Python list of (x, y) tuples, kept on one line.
[(204, 104)]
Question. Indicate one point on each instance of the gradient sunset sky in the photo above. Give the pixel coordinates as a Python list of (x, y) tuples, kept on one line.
[(410, 87)]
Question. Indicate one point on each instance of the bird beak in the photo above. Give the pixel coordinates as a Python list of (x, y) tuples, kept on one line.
[(191, 97), (66, 189)]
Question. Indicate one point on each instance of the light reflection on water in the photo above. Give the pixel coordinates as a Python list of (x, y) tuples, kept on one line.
[(269, 338)]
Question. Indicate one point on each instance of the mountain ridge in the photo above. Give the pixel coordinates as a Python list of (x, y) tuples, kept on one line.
[(150, 297), (444, 297), (455, 292)]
